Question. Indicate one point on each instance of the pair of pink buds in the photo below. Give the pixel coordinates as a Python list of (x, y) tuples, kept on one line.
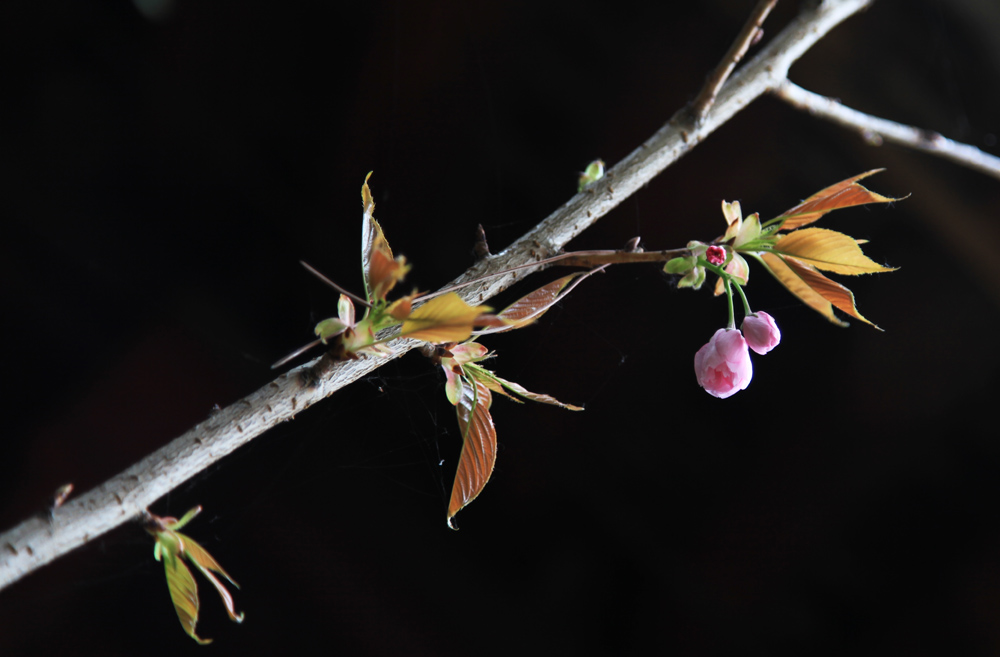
[(723, 365)]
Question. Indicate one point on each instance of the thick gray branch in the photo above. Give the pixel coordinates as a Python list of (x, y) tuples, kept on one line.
[(38, 540)]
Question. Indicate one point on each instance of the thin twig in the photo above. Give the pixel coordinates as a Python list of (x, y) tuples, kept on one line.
[(37, 541), (322, 277), (875, 130), (749, 35), (569, 259)]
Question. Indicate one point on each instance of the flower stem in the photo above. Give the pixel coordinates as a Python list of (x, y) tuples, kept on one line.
[(729, 297), (746, 305)]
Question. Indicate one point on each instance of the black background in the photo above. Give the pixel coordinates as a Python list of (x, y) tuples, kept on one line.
[(162, 177)]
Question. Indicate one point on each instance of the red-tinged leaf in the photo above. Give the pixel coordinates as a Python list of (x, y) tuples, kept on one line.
[(384, 272), (787, 277), (227, 599), (497, 384), (845, 194), (530, 307), (184, 594), (479, 446), (446, 318), (200, 557), (401, 308), (828, 250), (381, 271)]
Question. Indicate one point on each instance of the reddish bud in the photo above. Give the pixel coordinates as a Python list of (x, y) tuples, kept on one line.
[(715, 255)]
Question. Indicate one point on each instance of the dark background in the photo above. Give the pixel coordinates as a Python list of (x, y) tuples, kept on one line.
[(163, 175)]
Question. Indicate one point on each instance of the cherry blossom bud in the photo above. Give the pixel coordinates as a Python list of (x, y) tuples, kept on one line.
[(723, 365), (715, 255), (762, 334)]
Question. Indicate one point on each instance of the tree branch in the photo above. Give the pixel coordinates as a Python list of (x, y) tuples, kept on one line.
[(39, 540), (749, 35), (874, 130)]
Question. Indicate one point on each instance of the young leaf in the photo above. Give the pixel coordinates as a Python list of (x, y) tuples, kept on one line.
[(533, 305), (171, 547), (184, 594), (206, 563), (787, 277), (380, 270), (384, 272), (446, 318), (593, 172), (497, 384), (828, 250), (813, 288), (479, 446), (845, 194)]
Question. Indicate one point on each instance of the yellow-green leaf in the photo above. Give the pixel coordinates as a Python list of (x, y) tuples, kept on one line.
[(828, 250), (201, 558), (845, 194), (479, 446), (593, 172), (446, 318), (490, 380), (183, 593)]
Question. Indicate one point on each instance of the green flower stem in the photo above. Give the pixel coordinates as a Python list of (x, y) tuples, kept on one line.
[(746, 305), (729, 298), (728, 282)]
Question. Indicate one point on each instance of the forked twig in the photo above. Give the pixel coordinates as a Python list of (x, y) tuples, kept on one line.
[(749, 35), (875, 130)]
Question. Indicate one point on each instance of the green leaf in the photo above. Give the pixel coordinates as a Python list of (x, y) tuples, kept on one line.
[(693, 279), (497, 384), (680, 265), (593, 172), (330, 328)]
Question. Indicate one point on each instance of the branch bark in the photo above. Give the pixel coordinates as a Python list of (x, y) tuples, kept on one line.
[(39, 540)]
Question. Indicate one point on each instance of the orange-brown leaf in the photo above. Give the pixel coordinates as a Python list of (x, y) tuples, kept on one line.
[(384, 272), (446, 318), (845, 194), (828, 250), (380, 269), (787, 277), (811, 283), (533, 305), (479, 446)]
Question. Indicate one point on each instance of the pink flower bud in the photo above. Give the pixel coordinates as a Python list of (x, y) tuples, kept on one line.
[(723, 365), (715, 255), (761, 332)]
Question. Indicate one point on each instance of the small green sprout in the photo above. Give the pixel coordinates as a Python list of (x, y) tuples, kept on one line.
[(593, 172), (171, 547)]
